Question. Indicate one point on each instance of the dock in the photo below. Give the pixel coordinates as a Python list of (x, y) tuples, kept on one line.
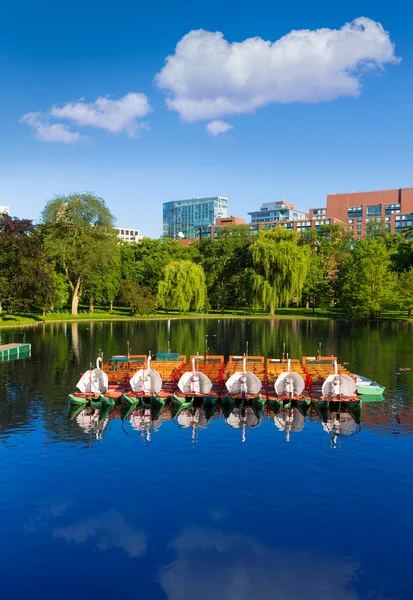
[(13, 349)]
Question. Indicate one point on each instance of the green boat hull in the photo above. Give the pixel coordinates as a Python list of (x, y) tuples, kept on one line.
[(105, 411), (275, 405), (131, 400), (228, 404), (370, 391), (75, 409), (258, 405), (178, 404), (76, 400), (96, 404), (303, 406), (107, 401), (209, 406)]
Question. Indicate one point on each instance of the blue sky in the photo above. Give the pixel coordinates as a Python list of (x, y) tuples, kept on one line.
[(300, 129)]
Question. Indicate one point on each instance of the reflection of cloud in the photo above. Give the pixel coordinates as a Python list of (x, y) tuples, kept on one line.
[(110, 530), (43, 513), (216, 513), (211, 564)]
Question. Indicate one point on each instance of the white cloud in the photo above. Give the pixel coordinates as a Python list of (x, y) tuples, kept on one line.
[(46, 132), (217, 127), (113, 115), (208, 77)]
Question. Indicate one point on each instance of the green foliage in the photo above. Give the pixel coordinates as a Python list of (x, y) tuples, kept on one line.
[(79, 236), (225, 262), (279, 268), (405, 292), (139, 299), (318, 289), (145, 262), (402, 259), (182, 287), (365, 284), (26, 276)]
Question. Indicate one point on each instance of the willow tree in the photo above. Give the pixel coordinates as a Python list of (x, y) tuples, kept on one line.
[(79, 236), (182, 287), (279, 268)]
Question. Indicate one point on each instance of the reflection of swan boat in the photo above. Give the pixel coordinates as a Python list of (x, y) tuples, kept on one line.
[(289, 419), (340, 424), (243, 418), (194, 419), (141, 420), (90, 421)]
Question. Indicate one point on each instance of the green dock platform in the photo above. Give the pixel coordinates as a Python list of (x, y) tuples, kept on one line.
[(14, 349)]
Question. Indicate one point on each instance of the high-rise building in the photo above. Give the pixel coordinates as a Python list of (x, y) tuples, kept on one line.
[(182, 218), (276, 211)]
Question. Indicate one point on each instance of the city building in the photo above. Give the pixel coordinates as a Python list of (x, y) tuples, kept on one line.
[(211, 231), (392, 207), (182, 218), (299, 225), (128, 235), (276, 211), (4, 210)]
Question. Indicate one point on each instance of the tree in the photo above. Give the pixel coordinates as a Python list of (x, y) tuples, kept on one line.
[(26, 276), (317, 289), (402, 259), (405, 292), (279, 268), (139, 299), (145, 262), (182, 287), (365, 284), (225, 262), (79, 235), (103, 289)]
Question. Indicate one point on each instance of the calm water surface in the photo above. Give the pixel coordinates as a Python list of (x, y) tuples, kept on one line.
[(195, 513)]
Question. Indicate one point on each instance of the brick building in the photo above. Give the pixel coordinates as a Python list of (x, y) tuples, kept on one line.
[(393, 207)]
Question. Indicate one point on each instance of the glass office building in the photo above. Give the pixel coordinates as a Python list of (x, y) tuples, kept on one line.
[(181, 218), (276, 211)]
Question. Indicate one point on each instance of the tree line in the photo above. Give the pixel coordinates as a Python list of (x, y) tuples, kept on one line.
[(73, 256)]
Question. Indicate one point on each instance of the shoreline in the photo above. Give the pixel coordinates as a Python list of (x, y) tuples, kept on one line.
[(175, 317)]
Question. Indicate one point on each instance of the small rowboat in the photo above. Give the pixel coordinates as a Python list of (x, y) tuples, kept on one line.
[(368, 387)]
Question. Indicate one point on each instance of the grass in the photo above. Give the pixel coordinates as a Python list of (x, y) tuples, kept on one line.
[(123, 314)]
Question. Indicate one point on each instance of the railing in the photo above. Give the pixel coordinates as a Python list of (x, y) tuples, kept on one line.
[(9, 337)]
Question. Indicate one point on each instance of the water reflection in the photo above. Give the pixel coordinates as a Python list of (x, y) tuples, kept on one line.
[(242, 568), (290, 420), (121, 500)]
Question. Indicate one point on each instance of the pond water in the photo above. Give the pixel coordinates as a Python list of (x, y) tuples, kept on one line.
[(196, 513)]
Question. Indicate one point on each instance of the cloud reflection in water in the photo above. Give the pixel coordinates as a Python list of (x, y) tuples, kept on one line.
[(109, 530), (212, 564)]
